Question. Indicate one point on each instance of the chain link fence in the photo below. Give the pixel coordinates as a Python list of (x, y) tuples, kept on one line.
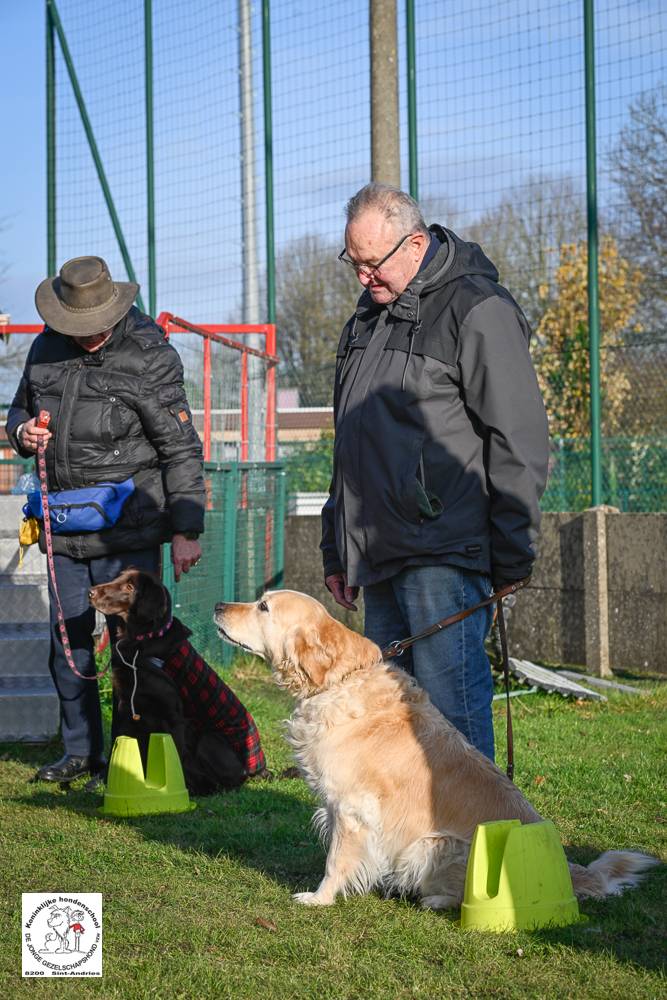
[(501, 128), (243, 539)]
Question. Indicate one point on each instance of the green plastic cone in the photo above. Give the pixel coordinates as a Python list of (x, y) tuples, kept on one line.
[(517, 878), (163, 789)]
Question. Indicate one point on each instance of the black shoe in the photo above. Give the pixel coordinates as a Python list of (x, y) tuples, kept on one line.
[(263, 775), (95, 782), (290, 772), (68, 768)]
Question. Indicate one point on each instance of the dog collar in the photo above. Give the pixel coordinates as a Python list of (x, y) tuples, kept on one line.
[(154, 635)]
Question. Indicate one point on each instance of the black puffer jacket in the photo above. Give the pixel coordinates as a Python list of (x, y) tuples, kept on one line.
[(118, 412)]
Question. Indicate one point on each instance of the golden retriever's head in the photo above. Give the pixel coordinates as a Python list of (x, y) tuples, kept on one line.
[(307, 648)]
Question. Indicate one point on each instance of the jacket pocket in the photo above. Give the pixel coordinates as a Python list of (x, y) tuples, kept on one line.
[(116, 417), (181, 416), (428, 503), (401, 499), (45, 386)]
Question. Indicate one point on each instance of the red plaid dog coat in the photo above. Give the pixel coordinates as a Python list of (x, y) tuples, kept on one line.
[(209, 703)]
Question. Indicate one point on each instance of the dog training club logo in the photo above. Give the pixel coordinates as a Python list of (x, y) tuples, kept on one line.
[(62, 935)]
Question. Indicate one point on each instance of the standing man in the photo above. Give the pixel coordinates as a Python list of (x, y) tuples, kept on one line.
[(113, 386), (441, 446)]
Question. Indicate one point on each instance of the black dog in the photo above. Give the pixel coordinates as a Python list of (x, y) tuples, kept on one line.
[(161, 685)]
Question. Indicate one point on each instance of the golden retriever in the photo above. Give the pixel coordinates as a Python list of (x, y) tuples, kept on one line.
[(402, 789)]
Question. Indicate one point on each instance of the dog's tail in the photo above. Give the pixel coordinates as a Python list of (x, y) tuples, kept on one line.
[(611, 874)]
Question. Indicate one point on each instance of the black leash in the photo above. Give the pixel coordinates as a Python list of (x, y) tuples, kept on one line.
[(398, 647)]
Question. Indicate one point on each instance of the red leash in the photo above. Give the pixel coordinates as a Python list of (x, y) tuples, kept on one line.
[(43, 421)]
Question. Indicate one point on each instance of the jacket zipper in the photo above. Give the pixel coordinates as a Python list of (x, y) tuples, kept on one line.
[(65, 420), (60, 443), (75, 506)]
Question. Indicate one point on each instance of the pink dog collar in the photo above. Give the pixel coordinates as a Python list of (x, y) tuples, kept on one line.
[(155, 635)]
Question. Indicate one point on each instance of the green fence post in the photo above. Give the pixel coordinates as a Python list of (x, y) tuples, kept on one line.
[(412, 97), (593, 289), (50, 144), (279, 529), (268, 164), (230, 498), (150, 175)]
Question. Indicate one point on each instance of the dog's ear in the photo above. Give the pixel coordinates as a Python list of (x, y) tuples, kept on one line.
[(355, 651), (320, 656), (151, 605), (306, 658)]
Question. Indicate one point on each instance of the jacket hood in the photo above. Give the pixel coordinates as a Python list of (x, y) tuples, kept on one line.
[(454, 259)]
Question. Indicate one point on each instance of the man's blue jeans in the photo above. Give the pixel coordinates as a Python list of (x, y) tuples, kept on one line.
[(452, 665)]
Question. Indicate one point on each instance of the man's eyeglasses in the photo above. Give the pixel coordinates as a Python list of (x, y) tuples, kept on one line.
[(368, 270)]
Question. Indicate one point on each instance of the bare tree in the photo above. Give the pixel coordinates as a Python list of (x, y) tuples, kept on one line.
[(315, 296), (523, 235), (639, 169), (13, 349)]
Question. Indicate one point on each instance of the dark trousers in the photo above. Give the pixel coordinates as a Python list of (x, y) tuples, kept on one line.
[(81, 716)]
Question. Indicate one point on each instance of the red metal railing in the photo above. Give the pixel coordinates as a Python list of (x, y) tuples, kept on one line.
[(226, 334), (220, 333)]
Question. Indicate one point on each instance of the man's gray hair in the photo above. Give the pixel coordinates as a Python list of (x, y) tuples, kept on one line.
[(396, 206)]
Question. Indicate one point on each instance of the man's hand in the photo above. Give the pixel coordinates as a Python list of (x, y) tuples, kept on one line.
[(336, 584), (31, 435), (185, 553)]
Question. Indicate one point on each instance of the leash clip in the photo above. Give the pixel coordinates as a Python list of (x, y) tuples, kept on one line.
[(395, 648)]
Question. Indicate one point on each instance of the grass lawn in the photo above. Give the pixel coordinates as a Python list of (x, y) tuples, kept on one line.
[(199, 905)]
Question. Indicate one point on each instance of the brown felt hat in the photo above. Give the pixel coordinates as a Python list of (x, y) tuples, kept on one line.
[(83, 300)]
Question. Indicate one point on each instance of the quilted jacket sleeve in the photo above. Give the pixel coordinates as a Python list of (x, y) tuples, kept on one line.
[(167, 422), (19, 412)]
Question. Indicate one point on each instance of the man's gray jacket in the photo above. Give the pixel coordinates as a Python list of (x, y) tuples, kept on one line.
[(441, 441)]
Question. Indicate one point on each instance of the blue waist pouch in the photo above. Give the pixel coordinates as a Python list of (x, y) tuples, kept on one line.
[(91, 508)]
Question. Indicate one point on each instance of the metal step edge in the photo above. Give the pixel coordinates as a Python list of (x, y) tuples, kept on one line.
[(24, 631), (26, 684), (23, 580), (28, 693)]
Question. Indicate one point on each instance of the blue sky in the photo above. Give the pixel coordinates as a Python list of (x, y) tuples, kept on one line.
[(22, 170), (500, 100)]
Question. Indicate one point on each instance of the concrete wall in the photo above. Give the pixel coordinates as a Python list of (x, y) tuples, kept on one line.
[(560, 617)]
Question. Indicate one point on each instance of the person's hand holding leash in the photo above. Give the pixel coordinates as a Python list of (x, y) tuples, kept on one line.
[(185, 553), (336, 584), (32, 433)]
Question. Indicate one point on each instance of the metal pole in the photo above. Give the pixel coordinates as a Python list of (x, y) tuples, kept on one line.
[(50, 145), (207, 399), (248, 181), (593, 288), (412, 97), (271, 396), (254, 371), (150, 174), (268, 165), (245, 397), (85, 120), (385, 151)]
